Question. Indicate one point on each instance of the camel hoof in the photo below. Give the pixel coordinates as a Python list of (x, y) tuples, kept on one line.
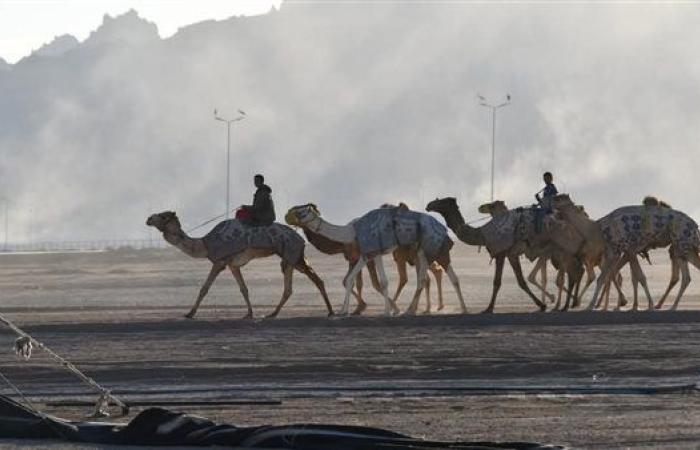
[(426, 312), (359, 310), (464, 310), (248, 316), (272, 315), (409, 312), (330, 314), (623, 301), (189, 315), (487, 311), (441, 307), (658, 306)]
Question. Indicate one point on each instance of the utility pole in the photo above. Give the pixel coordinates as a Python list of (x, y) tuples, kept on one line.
[(241, 116), (484, 102)]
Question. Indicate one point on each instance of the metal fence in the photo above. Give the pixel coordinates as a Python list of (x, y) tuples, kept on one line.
[(78, 246)]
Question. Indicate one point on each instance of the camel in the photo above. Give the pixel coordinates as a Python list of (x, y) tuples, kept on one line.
[(168, 223), (497, 207), (308, 216), (626, 231), (402, 257), (559, 246), (507, 235)]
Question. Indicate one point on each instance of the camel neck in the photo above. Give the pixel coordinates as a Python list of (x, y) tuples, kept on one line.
[(344, 234), (465, 232), (322, 243), (193, 247), (583, 224)]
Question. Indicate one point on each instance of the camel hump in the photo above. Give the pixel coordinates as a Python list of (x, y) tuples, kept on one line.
[(231, 237)]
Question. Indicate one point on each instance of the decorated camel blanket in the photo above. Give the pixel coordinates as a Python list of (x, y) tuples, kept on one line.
[(385, 228), (635, 228), (509, 228), (231, 237)]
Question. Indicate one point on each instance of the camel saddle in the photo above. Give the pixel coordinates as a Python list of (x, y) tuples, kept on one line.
[(384, 228), (231, 237)]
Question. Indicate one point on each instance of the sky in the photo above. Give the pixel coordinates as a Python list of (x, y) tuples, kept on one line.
[(351, 105), (26, 25)]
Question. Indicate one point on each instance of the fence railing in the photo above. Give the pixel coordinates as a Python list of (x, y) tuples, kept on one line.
[(83, 245)]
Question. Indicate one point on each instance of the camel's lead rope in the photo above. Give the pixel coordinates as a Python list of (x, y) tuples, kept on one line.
[(23, 348)]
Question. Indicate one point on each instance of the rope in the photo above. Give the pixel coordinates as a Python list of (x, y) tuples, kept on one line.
[(23, 347), (31, 406), (205, 223)]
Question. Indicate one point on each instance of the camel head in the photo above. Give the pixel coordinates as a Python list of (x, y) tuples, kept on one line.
[(442, 205), (493, 208), (165, 221), (301, 216)]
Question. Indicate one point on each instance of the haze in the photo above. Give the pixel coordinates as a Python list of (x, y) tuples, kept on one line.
[(351, 105)]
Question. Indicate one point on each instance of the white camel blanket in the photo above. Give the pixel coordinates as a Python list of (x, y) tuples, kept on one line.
[(231, 237), (634, 228), (509, 228), (382, 229)]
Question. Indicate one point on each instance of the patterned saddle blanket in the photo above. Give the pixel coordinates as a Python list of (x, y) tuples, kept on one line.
[(509, 228), (231, 237), (382, 229), (635, 228)]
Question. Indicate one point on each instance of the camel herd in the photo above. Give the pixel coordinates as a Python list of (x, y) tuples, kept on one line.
[(574, 243)]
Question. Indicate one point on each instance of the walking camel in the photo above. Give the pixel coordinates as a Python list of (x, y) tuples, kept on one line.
[(561, 259), (629, 230), (403, 256), (381, 231), (508, 235), (234, 245)]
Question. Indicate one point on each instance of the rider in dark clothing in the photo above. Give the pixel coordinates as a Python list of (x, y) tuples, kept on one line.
[(263, 209), (548, 193), (545, 201)]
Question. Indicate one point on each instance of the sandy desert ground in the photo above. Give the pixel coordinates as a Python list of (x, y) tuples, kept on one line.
[(513, 375)]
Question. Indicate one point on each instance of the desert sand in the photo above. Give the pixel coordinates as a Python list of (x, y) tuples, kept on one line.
[(585, 380)]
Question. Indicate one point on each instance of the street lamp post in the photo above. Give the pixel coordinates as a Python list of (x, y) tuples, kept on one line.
[(241, 116), (484, 102)]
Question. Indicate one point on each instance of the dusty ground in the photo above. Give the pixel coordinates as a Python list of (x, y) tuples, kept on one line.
[(118, 316)]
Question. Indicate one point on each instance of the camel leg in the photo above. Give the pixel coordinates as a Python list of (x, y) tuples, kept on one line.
[(540, 266), (675, 276), (608, 267), (518, 270), (641, 278), (348, 282), (238, 276), (361, 304), (635, 289), (213, 273), (389, 305), (617, 281), (685, 281), (574, 274), (590, 272), (304, 267), (437, 273), (427, 293), (421, 273), (498, 275), (403, 278), (560, 288), (455, 283), (288, 271)]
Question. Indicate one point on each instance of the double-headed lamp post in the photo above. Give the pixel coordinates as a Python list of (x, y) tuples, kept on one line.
[(484, 102), (228, 122)]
